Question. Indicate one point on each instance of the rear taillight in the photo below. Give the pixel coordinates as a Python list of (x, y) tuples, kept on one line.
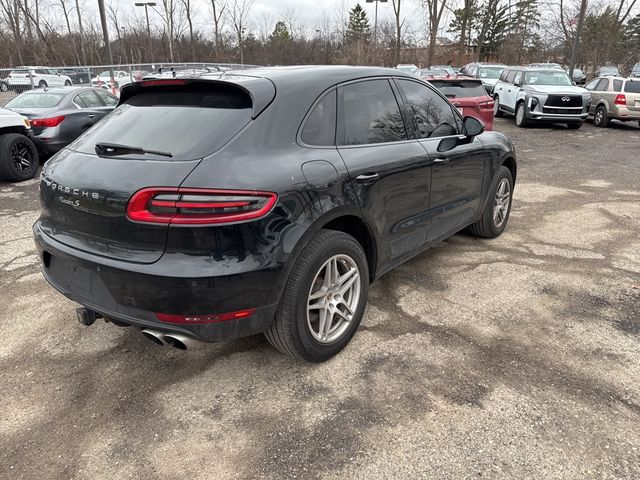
[(47, 122), (201, 319), (160, 83), (486, 104), (196, 206), (620, 99)]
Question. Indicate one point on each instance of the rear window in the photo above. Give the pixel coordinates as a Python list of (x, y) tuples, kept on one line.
[(632, 86), (490, 72), (36, 100), (460, 89), (190, 121)]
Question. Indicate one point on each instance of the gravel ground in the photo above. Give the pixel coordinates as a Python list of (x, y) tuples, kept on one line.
[(517, 357)]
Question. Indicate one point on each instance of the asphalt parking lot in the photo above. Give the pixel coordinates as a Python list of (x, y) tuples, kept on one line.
[(517, 357)]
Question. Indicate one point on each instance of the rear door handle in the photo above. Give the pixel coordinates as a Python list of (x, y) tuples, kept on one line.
[(441, 161), (92, 116), (367, 178)]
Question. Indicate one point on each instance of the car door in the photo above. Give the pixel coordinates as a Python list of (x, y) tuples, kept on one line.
[(457, 174), (390, 173), (600, 92), (502, 89), (82, 117)]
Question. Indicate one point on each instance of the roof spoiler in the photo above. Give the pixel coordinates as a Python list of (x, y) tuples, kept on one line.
[(261, 90)]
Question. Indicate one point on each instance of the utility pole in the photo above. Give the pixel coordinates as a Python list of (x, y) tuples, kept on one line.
[(105, 35), (576, 41), (375, 19), (146, 6)]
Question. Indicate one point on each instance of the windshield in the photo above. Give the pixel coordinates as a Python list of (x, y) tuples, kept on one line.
[(577, 71), (547, 78), (36, 100), (189, 122), (461, 88), (490, 72), (408, 68), (609, 70)]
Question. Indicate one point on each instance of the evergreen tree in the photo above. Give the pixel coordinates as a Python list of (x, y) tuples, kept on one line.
[(280, 33), (358, 29)]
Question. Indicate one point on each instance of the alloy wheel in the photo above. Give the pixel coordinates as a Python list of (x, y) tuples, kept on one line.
[(597, 120), (496, 107), (22, 157), (333, 298), (501, 202)]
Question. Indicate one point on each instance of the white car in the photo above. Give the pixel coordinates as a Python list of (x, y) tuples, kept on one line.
[(120, 78), (22, 78), (18, 155)]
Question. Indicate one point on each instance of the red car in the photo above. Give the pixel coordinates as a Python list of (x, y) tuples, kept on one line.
[(468, 95)]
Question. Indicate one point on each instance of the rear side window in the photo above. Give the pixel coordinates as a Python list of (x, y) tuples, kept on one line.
[(87, 99), (617, 85), (36, 100), (632, 86), (370, 114), (190, 121), (433, 115), (320, 127), (460, 88)]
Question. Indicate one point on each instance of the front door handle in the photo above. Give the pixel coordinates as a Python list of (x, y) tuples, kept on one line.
[(92, 116), (367, 178), (441, 161)]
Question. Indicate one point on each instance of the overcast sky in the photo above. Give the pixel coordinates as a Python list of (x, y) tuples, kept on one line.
[(308, 13)]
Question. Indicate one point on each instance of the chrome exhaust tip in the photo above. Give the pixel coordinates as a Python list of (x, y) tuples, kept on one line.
[(179, 341), (154, 336)]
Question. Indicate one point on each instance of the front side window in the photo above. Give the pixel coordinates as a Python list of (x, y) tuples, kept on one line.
[(511, 76), (433, 115), (370, 114), (592, 84), (602, 86), (320, 127), (518, 79)]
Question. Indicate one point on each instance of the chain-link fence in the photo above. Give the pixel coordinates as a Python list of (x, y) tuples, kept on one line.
[(14, 81)]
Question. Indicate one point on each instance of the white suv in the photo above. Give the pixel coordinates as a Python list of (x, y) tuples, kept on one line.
[(540, 95), (21, 78), (18, 154)]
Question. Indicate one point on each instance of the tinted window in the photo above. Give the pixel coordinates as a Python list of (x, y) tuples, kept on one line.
[(511, 76), (592, 84), (617, 85), (433, 115), (189, 122), (602, 85), (632, 86), (108, 99), (518, 78), (370, 114), (36, 100), (504, 75), (460, 88), (87, 99), (320, 127)]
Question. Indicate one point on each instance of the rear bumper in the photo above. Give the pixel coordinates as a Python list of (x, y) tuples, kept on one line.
[(133, 297), (624, 113)]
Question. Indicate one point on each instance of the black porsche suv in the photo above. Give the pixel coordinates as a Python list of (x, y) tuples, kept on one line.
[(263, 201)]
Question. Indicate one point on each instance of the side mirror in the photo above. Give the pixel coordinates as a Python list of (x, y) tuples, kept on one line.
[(517, 83), (472, 126)]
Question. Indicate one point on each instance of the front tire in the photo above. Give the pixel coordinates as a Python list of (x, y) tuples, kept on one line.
[(42, 84), (67, 83), (19, 159), (498, 207), (521, 115), (4, 87), (323, 300), (600, 118)]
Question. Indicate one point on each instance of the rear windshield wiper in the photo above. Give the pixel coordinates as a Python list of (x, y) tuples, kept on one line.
[(113, 149)]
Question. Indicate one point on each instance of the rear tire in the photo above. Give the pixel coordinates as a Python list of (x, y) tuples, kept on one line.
[(311, 284), (67, 83), (42, 84), (496, 107), (4, 87), (521, 115), (493, 223), (19, 159), (600, 118)]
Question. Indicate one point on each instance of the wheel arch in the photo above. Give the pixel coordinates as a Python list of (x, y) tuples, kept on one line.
[(511, 164)]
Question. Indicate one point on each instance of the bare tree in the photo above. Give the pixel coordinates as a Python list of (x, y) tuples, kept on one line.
[(398, 43), (65, 12), (219, 9), (238, 14), (435, 9), (188, 10)]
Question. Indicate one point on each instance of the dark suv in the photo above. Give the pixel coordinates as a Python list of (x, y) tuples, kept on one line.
[(263, 201), (540, 95)]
